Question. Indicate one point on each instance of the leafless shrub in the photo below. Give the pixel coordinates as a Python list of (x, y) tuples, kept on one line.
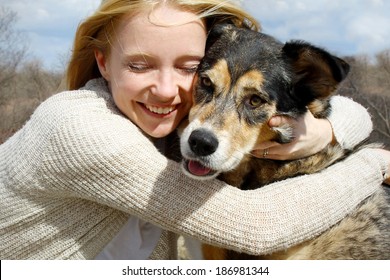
[(12, 47), (32, 85), (369, 84)]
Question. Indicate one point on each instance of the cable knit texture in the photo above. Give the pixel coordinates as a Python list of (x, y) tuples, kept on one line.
[(350, 121), (70, 178)]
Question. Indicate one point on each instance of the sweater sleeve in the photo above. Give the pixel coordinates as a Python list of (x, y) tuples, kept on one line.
[(110, 161), (351, 122)]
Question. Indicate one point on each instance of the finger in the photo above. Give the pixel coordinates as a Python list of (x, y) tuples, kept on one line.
[(266, 145), (275, 150), (267, 154), (283, 152), (275, 121), (262, 153), (279, 120)]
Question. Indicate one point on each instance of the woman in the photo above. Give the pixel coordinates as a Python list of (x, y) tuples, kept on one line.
[(83, 178)]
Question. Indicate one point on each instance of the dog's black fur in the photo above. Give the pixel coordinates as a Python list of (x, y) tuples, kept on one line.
[(246, 78)]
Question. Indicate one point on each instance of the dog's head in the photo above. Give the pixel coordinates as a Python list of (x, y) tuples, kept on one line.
[(246, 78)]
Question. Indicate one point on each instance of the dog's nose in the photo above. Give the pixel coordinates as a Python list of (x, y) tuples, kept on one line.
[(203, 142)]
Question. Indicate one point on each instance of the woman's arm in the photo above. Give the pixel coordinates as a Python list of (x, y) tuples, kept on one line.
[(109, 161), (351, 122)]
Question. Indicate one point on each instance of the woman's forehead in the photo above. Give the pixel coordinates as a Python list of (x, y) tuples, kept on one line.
[(163, 15), (167, 29), (160, 19)]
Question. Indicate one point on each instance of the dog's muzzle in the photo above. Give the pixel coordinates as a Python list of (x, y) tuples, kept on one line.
[(202, 143)]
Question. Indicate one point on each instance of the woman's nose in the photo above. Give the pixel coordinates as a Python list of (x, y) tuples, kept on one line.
[(167, 85)]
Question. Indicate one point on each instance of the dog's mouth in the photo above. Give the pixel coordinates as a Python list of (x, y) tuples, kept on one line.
[(196, 169)]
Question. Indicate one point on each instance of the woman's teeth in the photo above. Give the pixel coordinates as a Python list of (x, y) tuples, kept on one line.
[(160, 110)]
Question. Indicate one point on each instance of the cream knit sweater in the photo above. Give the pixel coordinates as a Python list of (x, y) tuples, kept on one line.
[(70, 178)]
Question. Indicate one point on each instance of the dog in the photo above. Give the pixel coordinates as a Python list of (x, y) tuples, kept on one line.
[(245, 78)]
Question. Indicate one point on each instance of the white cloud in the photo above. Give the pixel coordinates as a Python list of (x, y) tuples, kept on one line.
[(362, 29), (346, 27), (49, 26), (50, 14)]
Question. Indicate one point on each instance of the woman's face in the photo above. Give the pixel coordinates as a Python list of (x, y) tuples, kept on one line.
[(151, 67)]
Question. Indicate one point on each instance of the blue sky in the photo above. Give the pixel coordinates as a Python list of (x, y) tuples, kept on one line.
[(345, 27)]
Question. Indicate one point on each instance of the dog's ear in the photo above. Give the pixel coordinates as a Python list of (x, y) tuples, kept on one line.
[(317, 72), (217, 31)]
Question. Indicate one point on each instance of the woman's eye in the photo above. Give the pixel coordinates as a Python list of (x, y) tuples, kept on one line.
[(189, 69), (138, 67)]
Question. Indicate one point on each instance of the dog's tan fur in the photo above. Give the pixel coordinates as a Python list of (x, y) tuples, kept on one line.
[(222, 112)]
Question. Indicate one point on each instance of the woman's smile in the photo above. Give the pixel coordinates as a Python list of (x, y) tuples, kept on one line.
[(159, 110)]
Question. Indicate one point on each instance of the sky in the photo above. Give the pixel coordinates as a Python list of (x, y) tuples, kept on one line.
[(344, 27)]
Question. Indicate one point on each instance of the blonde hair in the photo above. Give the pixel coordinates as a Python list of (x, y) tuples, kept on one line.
[(96, 32)]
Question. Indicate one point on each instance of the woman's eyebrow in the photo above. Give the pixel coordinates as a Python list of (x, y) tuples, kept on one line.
[(143, 56), (146, 57), (190, 57)]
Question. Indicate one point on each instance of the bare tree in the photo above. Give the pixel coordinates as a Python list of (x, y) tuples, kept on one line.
[(12, 48), (23, 84), (383, 60), (12, 52), (369, 84), (380, 104)]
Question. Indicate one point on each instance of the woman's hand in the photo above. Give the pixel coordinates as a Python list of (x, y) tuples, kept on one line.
[(310, 136)]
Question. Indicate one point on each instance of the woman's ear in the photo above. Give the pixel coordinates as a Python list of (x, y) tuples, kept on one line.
[(102, 64)]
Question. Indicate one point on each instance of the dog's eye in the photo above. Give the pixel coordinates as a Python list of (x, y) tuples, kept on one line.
[(255, 101), (206, 81)]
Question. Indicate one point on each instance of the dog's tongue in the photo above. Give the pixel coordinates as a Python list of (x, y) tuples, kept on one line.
[(198, 169)]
